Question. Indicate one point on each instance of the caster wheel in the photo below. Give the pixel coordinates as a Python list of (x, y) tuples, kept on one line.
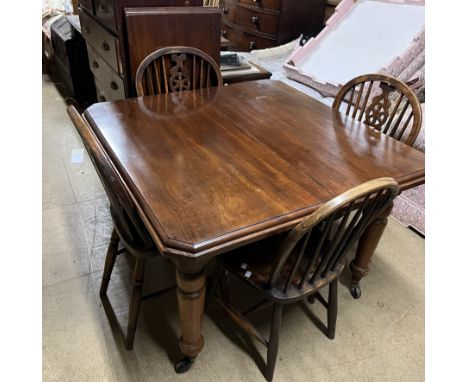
[(355, 291), (184, 365)]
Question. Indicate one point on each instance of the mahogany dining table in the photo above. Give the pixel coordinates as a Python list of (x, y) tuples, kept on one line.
[(215, 169)]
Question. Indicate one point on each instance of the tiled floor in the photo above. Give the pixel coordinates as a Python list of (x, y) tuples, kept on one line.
[(379, 337)]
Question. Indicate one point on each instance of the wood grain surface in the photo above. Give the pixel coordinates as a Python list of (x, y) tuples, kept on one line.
[(212, 170)]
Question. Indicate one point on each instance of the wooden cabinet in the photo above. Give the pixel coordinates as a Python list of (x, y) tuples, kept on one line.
[(103, 27), (259, 24), (70, 59)]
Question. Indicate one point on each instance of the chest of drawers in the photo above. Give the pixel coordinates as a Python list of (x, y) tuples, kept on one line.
[(260, 24), (103, 27)]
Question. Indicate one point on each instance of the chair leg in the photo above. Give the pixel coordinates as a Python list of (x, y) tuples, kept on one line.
[(110, 261), (135, 301), (332, 310), (214, 283), (273, 342)]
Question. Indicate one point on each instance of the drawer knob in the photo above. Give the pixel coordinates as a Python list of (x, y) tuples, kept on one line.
[(102, 9), (114, 85), (252, 45), (95, 64), (224, 33), (255, 20), (105, 46), (86, 29)]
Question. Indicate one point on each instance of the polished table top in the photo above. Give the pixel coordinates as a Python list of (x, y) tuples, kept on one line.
[(215, 169)]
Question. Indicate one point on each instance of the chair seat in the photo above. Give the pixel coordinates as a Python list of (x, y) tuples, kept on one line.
[(254, 263)]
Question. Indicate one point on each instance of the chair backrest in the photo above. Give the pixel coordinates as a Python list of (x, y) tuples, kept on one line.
[(176, 69), (124, 212), (314, 251), (386, 104)]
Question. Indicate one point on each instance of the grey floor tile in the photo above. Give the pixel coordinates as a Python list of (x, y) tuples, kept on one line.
[(53, 103), (77, 354), (59, 142), (63, 230), (62, 266), (73, 341), (56, 187), (84, 180), (97, 222)]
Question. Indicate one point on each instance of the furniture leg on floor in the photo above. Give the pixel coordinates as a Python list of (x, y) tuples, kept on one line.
[(273, 341), (135, 302), (332, 308), (366, 247), (191, 301), (110, 261)]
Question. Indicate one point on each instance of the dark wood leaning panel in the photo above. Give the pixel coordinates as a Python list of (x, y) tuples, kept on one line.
[(103, 27), (260, 24), (150, 29)]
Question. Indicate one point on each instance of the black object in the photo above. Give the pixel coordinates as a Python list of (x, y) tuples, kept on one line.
[(230, 59), (71, 61), (304, 38), (184, 365)]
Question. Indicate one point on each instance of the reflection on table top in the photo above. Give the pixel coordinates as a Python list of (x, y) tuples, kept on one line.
[(214, 169)]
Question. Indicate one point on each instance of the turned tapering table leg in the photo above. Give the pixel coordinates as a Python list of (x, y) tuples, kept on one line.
[(366, 247), (191, 301)]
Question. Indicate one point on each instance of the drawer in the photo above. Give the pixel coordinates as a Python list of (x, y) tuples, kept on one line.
[(274, 5), (245, 41), (228, 9), (111, 83), (101, 94), (88, 5), (251, 41), (227, 31), (105, 12), (257, 20), (103, 42)]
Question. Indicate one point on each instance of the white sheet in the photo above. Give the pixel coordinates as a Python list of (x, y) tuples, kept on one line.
[(368, 38)]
